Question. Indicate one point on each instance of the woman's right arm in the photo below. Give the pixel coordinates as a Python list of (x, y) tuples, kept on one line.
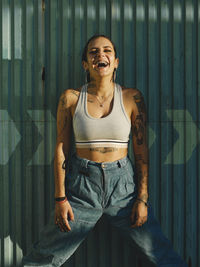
[(63, 211)]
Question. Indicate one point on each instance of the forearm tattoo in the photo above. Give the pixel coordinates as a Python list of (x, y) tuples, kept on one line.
[(141, 152)]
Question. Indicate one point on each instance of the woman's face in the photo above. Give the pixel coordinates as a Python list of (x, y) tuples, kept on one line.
[(101, 59)]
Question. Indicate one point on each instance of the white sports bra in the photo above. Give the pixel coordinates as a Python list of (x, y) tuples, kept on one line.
[(110, 131)]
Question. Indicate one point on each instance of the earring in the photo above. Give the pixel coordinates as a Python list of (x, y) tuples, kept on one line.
[(87, 76), (114, 74)]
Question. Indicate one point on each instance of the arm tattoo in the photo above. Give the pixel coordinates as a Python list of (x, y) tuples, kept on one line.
[(141, 151), (63, 107), (75, 93), (140, 157), (139, 100), (142, 179), (140, 121), (104, 149), (138, 129), (63, 102)]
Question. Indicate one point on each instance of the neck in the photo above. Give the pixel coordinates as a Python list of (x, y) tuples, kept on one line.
[(102, 87)]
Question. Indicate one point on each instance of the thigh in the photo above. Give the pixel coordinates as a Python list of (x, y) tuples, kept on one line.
[(149, 239), (54, 246)]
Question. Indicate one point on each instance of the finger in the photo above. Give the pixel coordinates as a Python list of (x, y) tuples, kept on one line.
[(63, 227), (71, 214), (137, 223), (65, 223), (67, 226), (60, 225), (56, 220)]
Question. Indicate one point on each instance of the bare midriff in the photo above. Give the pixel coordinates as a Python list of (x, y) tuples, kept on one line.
[(102, 154)]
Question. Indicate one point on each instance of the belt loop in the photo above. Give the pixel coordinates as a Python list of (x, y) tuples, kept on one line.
[(84, 163)]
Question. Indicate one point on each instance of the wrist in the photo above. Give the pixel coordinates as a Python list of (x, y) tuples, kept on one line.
[(143, 195), (60, 200), (142, 201), (59, 193)]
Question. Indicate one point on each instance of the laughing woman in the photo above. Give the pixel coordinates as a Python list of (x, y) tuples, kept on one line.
[(100, 178)]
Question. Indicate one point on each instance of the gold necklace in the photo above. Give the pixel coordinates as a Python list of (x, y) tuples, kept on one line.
[(102, 103)]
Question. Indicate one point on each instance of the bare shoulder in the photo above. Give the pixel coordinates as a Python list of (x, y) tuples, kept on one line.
[(69, 97), (131, 93), (133, 99)]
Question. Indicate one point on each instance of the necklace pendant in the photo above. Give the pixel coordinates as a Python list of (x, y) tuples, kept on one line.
[(101, 105)]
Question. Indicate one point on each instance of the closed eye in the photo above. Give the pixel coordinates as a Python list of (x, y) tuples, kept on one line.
[(93, 52), (96, 51)]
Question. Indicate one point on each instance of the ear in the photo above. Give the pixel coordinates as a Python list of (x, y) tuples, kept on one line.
[(116, 63), (85, 65)]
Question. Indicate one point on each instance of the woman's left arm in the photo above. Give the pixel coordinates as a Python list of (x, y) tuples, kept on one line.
[(140, 149)]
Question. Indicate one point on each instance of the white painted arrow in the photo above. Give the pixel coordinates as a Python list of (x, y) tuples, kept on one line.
[(9, 137), (188, 136), (46, 125)]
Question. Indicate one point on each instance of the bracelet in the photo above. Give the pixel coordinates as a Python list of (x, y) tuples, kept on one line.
[(60, 202), (59, 198), (141, 200)]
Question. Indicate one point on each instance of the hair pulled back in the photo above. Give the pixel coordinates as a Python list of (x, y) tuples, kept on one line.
[(84, 54)]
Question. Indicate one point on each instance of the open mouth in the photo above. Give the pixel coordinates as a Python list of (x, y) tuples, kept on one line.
[(102, 64)]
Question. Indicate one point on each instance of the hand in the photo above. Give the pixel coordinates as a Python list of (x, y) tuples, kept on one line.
[(63, 212), (138, 214)]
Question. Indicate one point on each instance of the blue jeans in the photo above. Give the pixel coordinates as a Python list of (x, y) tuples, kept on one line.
[(94, 189)]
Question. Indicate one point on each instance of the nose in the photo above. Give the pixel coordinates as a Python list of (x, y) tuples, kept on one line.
[(100, 53)]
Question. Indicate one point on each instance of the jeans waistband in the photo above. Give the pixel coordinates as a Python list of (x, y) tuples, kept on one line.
[(83, 162)]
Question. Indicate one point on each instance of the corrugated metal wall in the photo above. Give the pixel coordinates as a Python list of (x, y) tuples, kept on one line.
[(158, 44)]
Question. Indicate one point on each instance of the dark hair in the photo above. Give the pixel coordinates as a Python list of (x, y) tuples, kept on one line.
[(84, 54)]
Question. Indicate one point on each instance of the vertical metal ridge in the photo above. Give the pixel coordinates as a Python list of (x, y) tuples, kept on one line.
[(158, 43)]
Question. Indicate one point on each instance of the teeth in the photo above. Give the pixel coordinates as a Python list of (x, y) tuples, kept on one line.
[(102, 64)]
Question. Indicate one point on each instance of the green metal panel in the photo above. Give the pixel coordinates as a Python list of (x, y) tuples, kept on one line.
[(158, 43)]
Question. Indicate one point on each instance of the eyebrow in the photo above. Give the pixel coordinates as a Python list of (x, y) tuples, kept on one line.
[(107, 46)]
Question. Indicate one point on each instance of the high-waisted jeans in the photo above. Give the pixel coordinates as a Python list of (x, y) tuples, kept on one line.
[(94, 189)]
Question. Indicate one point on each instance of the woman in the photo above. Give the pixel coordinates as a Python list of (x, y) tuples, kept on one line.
[(101, 179)]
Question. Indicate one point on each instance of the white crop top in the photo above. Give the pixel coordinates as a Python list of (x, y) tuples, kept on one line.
[(110, 131)]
